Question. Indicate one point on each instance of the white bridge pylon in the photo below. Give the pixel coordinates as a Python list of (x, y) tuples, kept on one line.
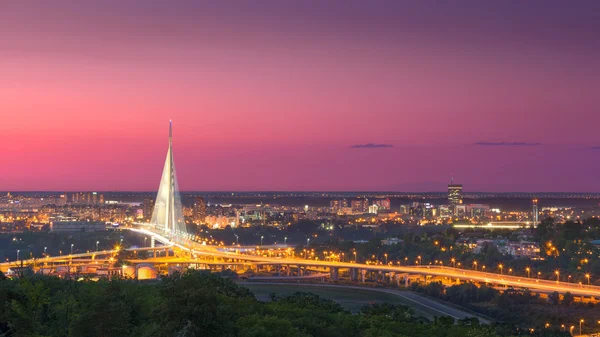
[(167, 214)]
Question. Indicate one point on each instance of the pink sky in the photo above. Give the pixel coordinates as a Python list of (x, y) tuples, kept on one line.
[(273, 98)]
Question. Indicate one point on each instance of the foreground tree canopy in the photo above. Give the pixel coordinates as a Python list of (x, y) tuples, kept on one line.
[(201, 304)]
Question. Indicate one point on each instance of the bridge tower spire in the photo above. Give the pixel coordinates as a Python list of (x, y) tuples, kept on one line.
[(167, 213)]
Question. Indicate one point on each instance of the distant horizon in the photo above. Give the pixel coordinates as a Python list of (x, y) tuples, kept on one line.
[(299, 191)]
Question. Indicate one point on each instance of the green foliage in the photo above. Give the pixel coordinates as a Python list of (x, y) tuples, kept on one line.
[(203, 304)]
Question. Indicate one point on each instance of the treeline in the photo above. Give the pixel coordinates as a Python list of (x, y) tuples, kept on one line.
[(202, 304)]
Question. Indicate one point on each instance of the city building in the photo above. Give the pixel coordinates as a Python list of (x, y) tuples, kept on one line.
[(148, 208), (359, 206), (455, 193), (338, 204), (383, 204), (199, 211)]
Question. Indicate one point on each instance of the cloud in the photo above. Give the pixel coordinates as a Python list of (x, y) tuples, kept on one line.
[(506, 144), (370, 146)]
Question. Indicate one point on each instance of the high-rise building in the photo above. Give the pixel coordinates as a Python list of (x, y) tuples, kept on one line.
[(455, 193), (359, 205), (535, 212), (337, 204), (383, 203), (148, 208), (199, 211)]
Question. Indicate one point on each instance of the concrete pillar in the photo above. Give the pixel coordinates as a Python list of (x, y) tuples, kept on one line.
[(363, 273), (334, 273), (392, 275), (353, 274)]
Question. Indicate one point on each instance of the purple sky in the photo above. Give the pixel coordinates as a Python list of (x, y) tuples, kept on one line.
[(275, 95)]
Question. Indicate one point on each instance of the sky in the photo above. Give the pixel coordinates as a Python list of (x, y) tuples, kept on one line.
[(300, 95)]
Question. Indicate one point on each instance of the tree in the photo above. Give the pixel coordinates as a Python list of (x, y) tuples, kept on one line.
[(568, 299), (554, 298)]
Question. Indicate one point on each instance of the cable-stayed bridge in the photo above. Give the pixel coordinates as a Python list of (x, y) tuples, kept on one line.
[(179, 248)]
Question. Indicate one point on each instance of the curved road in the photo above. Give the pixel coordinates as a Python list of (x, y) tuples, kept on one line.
[(417, 300)]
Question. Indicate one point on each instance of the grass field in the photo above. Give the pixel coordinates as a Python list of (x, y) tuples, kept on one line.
[(350, 299)]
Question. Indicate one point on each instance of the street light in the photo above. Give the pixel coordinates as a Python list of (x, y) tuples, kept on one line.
[(354, 256), (475, 264), (285, 241), (307, 242), (500, 266), (261, 240), (145, 238), (45, 248), (580, 323), (237, 239), (419, 257), (557, 276), (98, 242), (528, 270), (453, 260), (72, 249), (18, 251), (588, 278), (385, 258)]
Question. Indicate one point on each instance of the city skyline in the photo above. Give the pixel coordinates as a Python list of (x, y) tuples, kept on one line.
[(349, 96)]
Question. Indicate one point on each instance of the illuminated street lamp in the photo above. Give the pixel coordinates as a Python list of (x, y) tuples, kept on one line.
[(18, 251), (45, 249), (580, 323), (385, 258), (72, 248), (237, 239), (98, 242), (557, 276), (419, 257), (475, 264), (284, 240), (145, 238), (261, 240), (354, 256), (307, 242), (453, 260), (500, 266), (528, 270), (588, 278)]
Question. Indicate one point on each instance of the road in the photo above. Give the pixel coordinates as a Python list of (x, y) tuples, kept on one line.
[(415, 300), (197, 249)]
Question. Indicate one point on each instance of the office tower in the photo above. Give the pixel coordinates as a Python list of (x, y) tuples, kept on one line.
[(455, 193)]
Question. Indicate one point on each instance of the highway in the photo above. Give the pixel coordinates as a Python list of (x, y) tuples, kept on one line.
[(194, 248)]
